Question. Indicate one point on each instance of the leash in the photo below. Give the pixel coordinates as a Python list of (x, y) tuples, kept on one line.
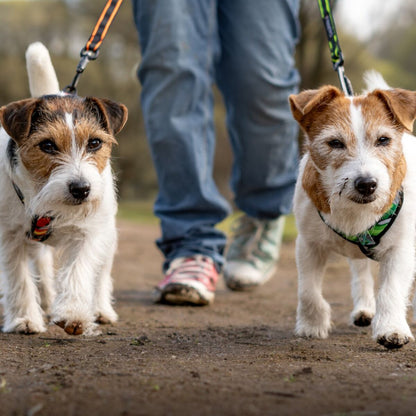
[(334, 46), (91, 49)]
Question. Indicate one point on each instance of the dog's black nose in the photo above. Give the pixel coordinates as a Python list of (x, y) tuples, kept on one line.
[(79, 189), (365, 185)]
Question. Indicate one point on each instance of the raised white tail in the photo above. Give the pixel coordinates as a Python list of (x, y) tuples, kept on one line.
[(374, 80), (42, 76)]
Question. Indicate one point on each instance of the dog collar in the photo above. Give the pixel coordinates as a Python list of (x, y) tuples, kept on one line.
[(41, 228), (369, 239)]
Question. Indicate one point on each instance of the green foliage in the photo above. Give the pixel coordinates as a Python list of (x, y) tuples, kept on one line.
[(137, 211), (389, 51)]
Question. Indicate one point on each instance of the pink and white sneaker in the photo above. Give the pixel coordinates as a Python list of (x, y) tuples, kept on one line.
[(189, 280)]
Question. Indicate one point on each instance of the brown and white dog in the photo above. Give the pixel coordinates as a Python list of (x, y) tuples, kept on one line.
[(57, 190), (356, 196)]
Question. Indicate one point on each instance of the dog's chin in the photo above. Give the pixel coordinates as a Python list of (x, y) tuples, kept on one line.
[(76, 202), (362, 200), (89, 204)]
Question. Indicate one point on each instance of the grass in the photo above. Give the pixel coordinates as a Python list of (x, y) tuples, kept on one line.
[(141, 212), (137, 211)]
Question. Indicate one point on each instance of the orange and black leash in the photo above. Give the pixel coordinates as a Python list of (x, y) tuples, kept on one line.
[(91, 49)]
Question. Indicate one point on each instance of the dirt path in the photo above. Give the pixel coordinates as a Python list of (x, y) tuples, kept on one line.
[(238, 357)]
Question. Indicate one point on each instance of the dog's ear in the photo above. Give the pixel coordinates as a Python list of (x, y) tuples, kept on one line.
[(308, 102), (401, 104), (16, 118), (111, 115)]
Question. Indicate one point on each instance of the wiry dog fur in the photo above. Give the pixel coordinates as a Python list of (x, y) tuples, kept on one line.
[(349, 140), (56, 149)]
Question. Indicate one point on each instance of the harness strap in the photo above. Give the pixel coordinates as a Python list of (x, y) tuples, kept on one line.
[(334, 47), (19, 193), (370, 239), (91, 49)]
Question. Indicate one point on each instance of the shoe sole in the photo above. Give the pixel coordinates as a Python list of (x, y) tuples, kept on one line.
[(179, 294)]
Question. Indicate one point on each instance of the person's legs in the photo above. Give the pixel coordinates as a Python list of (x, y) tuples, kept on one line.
[(256, 74), (179, 42)]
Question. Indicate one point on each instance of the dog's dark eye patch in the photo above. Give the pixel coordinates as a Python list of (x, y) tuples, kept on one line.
[(35, 120), (97, 114), (48, 146), (42, 115)]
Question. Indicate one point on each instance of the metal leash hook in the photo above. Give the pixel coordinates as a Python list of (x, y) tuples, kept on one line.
[(345, 82), (334, 46), (86, 57)]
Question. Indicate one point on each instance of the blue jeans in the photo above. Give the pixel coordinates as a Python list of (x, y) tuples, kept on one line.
[(247, 48)]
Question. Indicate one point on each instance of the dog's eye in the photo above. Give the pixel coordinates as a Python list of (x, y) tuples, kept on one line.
[(48, 146), (336, 144), (383, 141), (94, 145)]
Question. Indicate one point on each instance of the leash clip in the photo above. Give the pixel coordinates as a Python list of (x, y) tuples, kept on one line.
[(82, 64), (86, 57)]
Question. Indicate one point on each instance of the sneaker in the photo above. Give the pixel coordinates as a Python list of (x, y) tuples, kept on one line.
[(253, 252), (189, 280)]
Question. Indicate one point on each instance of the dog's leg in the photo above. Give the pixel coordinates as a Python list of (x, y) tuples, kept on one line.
[(104, 311), (362, 290), (22, 311), (390, 327), (73, 306), (314, 313), (43, 264)]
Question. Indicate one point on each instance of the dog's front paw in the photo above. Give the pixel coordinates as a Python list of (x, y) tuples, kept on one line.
[(313, 318), (394, 340), (362, 318), (24, 326), (317, 331), (71, 328), (391, 333)]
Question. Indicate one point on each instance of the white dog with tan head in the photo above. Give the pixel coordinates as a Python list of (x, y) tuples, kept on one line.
[(356, 196), (57, 190)]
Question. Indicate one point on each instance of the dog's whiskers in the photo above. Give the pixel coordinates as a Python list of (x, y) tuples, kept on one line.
[(344, 184)]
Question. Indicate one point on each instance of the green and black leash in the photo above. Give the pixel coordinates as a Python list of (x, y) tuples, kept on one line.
[(91, 49), (334, 47)]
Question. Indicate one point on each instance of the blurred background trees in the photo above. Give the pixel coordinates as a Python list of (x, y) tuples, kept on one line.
[(64, 26)]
